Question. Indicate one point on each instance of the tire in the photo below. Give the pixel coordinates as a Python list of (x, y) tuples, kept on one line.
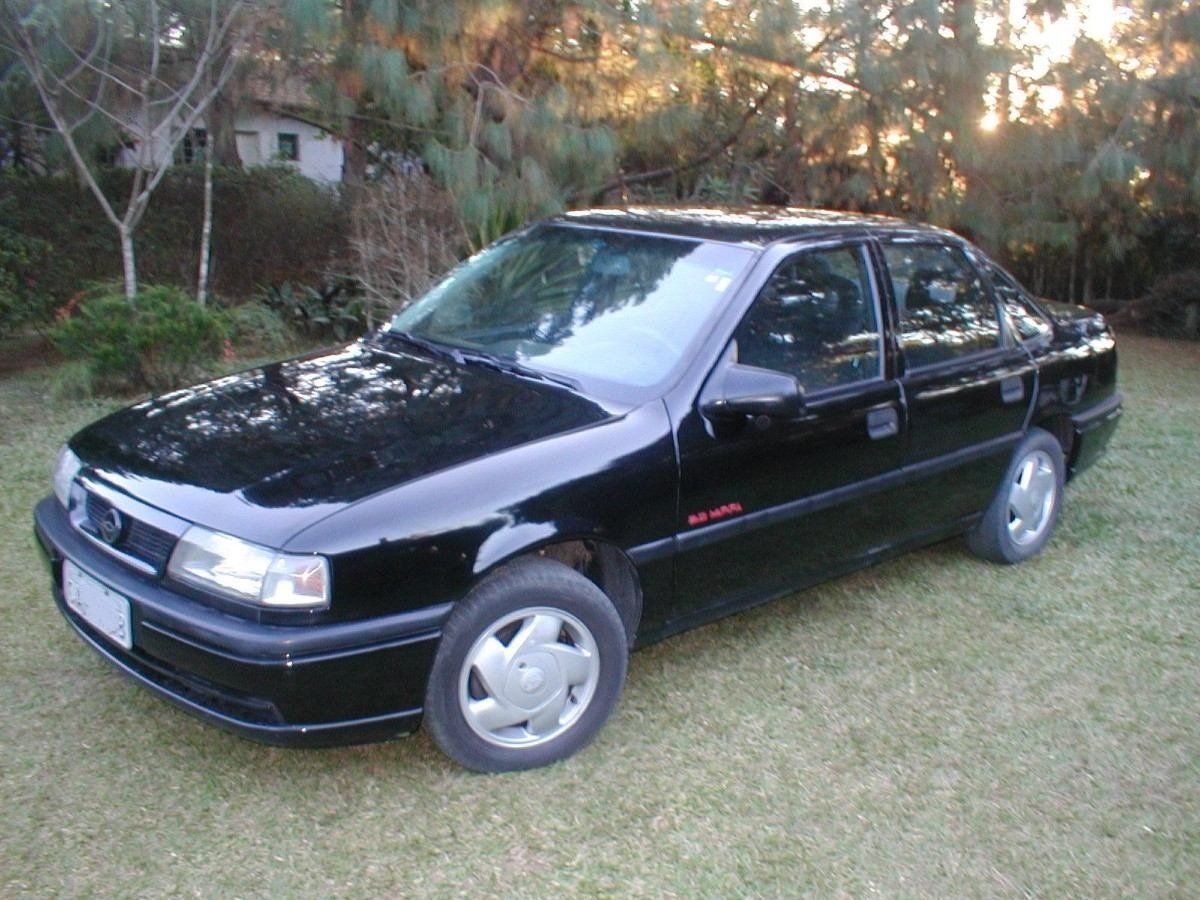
[(530, 666), (1024, 511)]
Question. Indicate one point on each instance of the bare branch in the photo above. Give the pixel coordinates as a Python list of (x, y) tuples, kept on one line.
[(405, 235), (565, 57), (86, 60), (711, 153), (139, 97), (28, 54), (155, 39)]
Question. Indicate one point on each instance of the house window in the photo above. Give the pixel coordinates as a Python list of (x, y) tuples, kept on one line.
[(289, 146), (195, 142)]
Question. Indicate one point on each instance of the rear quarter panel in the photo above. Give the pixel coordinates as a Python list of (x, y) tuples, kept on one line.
[(1077, 372)]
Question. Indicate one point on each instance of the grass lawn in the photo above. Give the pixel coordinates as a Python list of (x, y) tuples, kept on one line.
[(932, 726)]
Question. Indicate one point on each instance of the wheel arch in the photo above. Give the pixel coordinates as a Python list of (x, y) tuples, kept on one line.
[(1060, 426), (600, 561)]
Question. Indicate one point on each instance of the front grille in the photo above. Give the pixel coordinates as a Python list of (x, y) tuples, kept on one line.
[(138, 539)]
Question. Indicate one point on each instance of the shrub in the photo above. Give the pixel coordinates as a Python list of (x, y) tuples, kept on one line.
[(269, 225), (406, 234), (258, 330), (1170, 308), (162, 341), (332, 309), (72, 381), (20, 256)]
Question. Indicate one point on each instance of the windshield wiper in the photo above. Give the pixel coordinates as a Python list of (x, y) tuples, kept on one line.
[(462, 355), (511, 366), (431, 348)]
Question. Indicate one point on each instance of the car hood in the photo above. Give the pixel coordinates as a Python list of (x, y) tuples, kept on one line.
[(304, 438)]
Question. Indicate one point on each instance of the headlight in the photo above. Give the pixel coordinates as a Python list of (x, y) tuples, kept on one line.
[(243, 571), (66, 467)]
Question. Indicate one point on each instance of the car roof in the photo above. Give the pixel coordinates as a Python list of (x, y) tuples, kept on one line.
[(754, 225)]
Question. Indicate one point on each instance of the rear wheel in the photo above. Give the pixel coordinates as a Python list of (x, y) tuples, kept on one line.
[(529, 667), (1024, 511)]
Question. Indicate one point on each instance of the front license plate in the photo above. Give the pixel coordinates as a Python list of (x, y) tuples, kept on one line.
[(103, 609)]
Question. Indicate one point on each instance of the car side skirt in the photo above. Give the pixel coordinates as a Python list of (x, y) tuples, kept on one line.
[(741, 603)]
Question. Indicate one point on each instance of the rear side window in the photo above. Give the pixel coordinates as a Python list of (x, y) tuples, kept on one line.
[(1026, 321), (945, 312), (815, 319)]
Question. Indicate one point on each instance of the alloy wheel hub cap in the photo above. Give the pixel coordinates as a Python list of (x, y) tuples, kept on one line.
[(528, 677), (1031, 498), (532, 678)]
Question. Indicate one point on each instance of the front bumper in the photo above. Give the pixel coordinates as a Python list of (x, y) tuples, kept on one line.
[(292, 685)]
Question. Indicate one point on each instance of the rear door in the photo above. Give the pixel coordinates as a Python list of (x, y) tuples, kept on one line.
[(967, 384)]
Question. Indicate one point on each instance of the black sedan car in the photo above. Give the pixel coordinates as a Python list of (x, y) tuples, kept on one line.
[(603, 429)]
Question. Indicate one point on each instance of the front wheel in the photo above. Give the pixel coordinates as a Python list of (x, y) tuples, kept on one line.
[(1024, 511), (529, 667)]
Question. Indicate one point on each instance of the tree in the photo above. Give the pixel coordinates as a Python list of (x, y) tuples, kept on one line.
[(139, 74), (457, 88)]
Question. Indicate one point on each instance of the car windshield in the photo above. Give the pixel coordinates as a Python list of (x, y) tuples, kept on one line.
[(586, 303)]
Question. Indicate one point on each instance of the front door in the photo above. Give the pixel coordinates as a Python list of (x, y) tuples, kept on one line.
[(768, 504)]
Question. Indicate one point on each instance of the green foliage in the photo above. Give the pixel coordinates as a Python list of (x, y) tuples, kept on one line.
[(466, 89), (73, 381), (270, 225), (518, 110), (257, 329), (331, 309), (161, 342), (20, 256), (1170, 308)]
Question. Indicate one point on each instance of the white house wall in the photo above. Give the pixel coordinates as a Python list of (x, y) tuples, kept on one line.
[(138, 155), (321, 154)]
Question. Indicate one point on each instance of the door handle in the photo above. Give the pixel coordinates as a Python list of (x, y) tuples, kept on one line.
[(883, 422), (1012, 389)]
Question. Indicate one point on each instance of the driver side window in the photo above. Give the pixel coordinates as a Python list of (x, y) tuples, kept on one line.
[(815, 319)]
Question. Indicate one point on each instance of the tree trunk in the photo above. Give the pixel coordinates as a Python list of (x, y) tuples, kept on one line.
[(205, 232), (354, 166), (127, 263), (1004, 40), (354, 148), (964, 109), (1191, 320), (222, 128), (1087, 278)]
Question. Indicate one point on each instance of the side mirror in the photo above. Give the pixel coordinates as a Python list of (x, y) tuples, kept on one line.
[(737, 391)]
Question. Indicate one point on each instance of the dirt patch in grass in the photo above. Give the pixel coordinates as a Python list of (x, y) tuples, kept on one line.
[(32, 351)]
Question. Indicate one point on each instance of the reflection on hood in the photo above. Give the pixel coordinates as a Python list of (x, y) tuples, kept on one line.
[(330, 428)]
